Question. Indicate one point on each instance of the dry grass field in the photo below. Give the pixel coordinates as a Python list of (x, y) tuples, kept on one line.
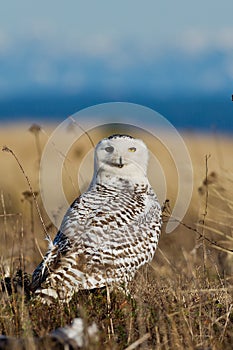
[(183, 300)]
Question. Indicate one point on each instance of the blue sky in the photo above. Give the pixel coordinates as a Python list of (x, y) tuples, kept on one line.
[(149, 23), (78, 44)]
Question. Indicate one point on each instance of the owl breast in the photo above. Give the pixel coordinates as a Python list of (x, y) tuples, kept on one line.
[(116, 229)]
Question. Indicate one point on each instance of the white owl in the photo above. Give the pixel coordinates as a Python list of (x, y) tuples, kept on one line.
[(109, 231)]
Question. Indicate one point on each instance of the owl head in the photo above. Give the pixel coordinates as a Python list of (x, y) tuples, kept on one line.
[(121, 155)]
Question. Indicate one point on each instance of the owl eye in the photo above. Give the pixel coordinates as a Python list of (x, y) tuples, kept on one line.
[(132, 149), (109, 149)]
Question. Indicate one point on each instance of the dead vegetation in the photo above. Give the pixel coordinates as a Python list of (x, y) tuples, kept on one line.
[(183, 300)]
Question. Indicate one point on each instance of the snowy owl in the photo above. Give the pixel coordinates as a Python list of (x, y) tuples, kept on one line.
[(108, 232)]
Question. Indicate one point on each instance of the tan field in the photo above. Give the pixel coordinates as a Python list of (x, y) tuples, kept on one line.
[(183, 300)]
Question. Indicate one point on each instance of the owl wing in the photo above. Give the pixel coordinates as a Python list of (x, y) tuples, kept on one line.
[(51, 259), (103, 231), (58, 249)]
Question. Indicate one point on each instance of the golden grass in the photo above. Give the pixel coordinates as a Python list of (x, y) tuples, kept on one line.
[(183, 300)]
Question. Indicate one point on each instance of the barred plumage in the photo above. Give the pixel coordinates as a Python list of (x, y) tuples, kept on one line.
[(110, 231)]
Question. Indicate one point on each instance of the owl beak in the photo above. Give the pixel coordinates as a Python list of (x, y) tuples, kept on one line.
[(120, 165)]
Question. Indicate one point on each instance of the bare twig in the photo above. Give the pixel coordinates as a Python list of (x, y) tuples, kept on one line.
[(206, 184), (226, 323), (213, 243), (7, 149), (85, 132), (4, 215), (167, 214), (10, 214), (205, 215), (214, 230), (138, 342), (111, 330)]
